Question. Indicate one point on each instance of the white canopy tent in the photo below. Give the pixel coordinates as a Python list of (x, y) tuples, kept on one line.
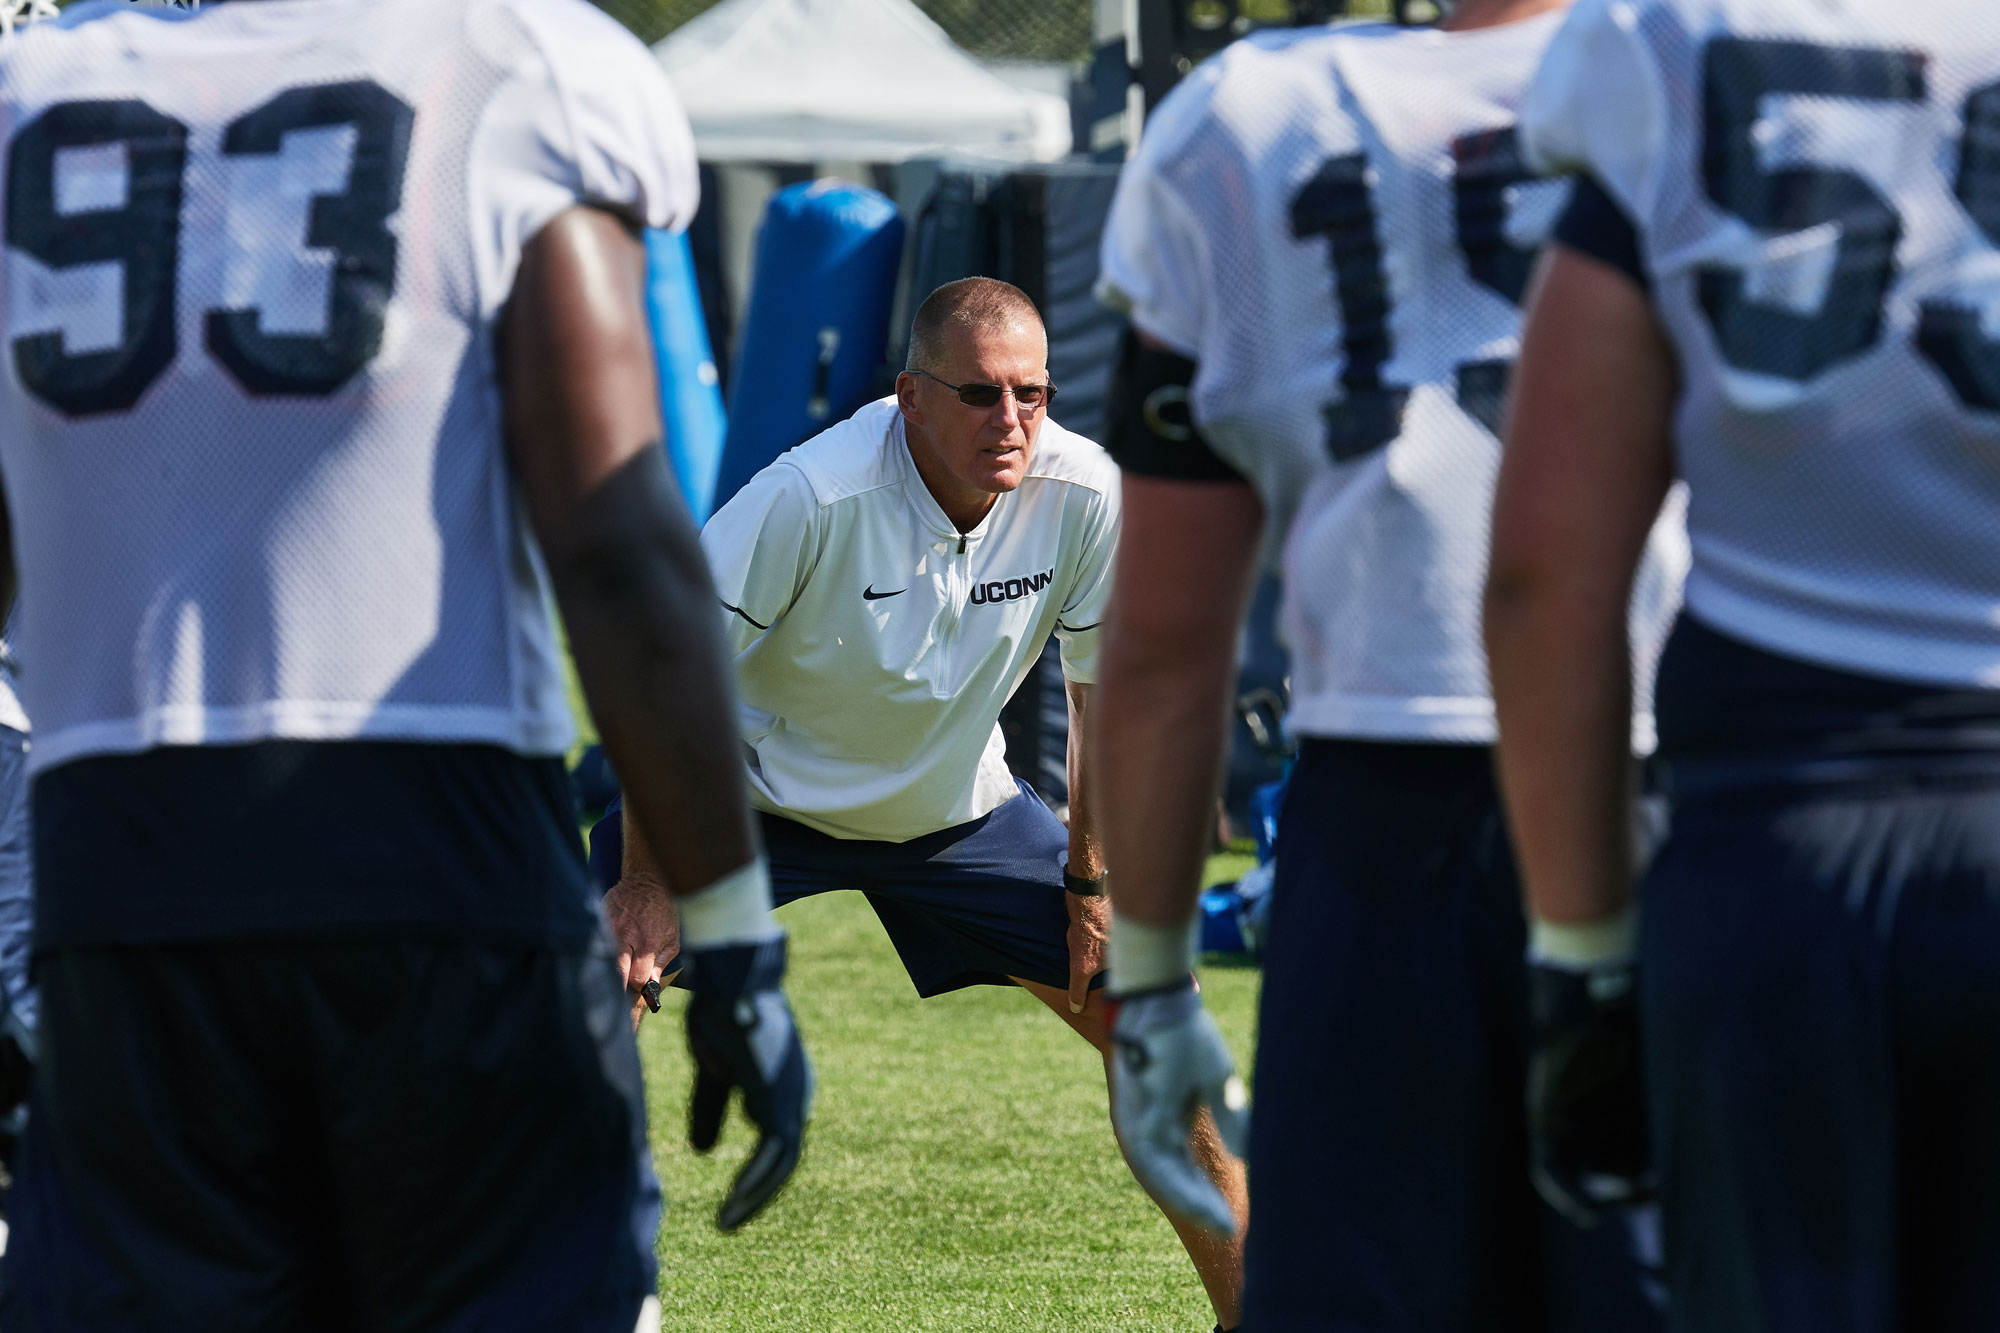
[(848, 80)]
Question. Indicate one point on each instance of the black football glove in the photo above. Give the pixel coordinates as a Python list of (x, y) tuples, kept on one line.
[(1587, 1128), (741, 1033)]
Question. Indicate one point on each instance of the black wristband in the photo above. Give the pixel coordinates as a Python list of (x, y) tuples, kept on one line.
[(1081, 887)]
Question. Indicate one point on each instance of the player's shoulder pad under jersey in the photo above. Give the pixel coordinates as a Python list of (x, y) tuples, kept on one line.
[(627, 132), (1597, 104), (1148, 428)]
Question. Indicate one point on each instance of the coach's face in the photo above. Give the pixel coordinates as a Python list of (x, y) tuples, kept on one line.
[(967, 455)]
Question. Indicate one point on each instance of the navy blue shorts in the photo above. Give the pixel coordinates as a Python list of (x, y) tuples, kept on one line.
[(1821, 996), (392, 1136), (1388, 1153), (972, 905), (1821, 973)]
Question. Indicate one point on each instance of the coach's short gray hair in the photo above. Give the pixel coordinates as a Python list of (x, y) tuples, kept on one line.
[(966, 304)]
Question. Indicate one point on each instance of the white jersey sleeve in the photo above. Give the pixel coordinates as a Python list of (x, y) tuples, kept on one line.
[(1155, 261), (587, 118), (761, 548), (1596, 104), (1077, 628)]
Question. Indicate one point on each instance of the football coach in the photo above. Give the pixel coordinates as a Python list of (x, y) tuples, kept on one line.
[(887, 585)]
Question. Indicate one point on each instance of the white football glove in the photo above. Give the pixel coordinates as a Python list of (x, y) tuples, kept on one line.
[(1169, 1061)]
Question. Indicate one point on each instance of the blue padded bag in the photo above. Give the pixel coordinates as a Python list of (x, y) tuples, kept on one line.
[(690, 390), (827, 264)]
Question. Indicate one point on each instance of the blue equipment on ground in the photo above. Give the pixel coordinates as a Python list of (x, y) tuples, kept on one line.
[(690, 389), (1265, 803), (827, 263), (1233, 916)]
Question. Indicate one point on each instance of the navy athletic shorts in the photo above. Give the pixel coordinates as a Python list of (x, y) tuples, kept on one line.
[(331, 1038), (1388, 1152), (1820, 959), (972, 905), (341, 1136)]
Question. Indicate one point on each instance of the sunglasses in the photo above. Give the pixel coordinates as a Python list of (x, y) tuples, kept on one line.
[(1030, 396)]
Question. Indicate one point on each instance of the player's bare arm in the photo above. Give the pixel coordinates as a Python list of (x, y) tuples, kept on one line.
[(635, 591), (1183, 574), (1185, 562), (1186, 559), (1089, 905), (584, 431), (1586, 467), (1587, 464)]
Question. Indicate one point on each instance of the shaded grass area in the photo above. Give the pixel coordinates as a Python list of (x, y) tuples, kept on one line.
[(960, 1174)]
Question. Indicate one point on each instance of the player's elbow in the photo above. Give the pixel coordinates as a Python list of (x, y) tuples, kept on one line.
[(1542, 607), (629, 573), (1514, 578), (1527, 579), (609, 571)]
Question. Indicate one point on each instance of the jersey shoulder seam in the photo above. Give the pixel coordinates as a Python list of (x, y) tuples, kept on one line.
[(828, 497), (1076, 461), (523, 11), (1063, 479)]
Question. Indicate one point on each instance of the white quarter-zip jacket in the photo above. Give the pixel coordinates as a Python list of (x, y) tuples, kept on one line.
[(875, 643)]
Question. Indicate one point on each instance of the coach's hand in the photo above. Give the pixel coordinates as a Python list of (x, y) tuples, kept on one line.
[(647, 929), (1089, 927), (1586, 1094), (741, 1032), (1168, 1062)]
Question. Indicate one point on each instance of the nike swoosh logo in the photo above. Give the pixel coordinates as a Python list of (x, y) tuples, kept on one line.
[(873, 596)]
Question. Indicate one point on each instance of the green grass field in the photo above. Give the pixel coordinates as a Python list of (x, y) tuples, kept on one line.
[(959, 1174)]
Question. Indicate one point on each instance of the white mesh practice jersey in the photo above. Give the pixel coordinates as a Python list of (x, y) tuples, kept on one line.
[(1815, 187), (1337, 226), (249, 422)]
